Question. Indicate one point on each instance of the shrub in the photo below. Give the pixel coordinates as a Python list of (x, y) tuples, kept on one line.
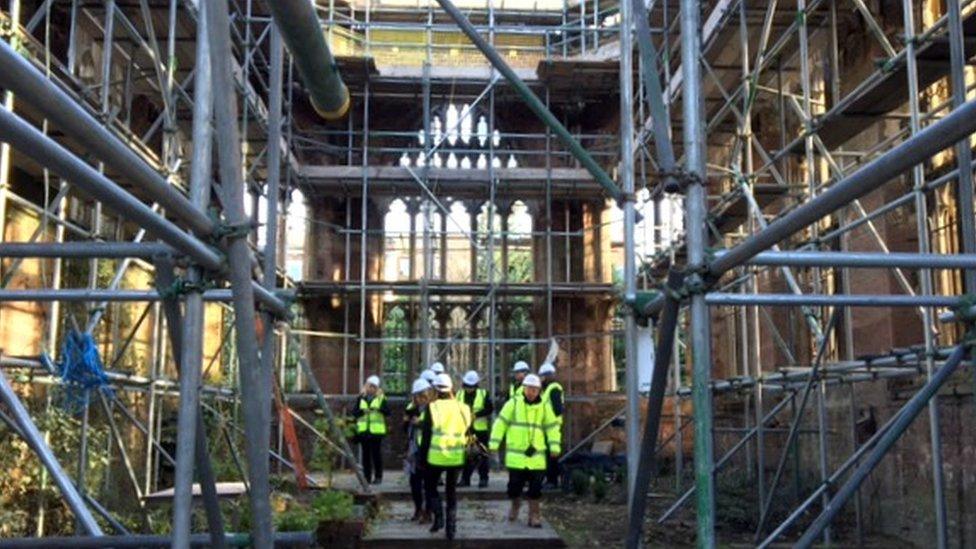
[(580, 482), (333, 505), (600, 488), (296, 519)]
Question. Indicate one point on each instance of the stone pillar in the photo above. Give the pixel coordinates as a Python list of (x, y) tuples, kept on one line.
[(413, 208), (325, 260), (473, 335), (444, 250), (442, 312), (413, 350), (473, 207), (504, 211), (595, 242), (504, 363)]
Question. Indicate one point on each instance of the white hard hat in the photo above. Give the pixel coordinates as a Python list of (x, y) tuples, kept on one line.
[(420, 385), (471, 378), (373, 380), (532, 380), (521, 366), (437, 368), (428, 375), (443, 382), (547, 369)]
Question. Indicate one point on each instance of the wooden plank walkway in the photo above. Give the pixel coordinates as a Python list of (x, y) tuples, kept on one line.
[(481, 524), (482, 517), (396, 486)]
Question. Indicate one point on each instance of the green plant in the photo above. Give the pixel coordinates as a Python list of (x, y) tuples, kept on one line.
[(296, 518), (600, 488), (22, 475), (579, 482), (333, 505)]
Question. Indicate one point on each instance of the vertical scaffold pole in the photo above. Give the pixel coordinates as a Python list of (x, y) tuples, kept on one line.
[(626, 181), (695, 214), (255, 381)]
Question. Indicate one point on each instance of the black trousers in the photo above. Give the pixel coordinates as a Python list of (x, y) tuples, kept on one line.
[(519, 478), (552, 470), (417, 489), (371, 455), (432, 474), (481, 463)]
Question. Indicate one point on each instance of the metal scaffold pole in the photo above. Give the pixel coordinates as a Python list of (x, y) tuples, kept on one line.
[(695, 215), (191, 438), (255, 381), (626, 180)]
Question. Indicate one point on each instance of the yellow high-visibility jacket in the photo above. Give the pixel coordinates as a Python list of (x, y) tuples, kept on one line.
[(522, 425), (450, 421), (480, 398), (373, 418)]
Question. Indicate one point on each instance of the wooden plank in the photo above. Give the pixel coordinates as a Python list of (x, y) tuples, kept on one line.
[(482, 524)]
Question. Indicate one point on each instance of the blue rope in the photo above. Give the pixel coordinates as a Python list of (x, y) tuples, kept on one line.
[(81, 370)]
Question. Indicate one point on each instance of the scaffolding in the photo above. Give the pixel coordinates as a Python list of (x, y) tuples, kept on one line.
[(767, 211)]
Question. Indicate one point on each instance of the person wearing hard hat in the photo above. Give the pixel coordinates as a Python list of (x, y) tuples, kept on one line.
[(477, 399), (529, 431), (437, 368), (519, 370), (429, 376), (444, 428), (552, 396), (420, 395), (371, 411)]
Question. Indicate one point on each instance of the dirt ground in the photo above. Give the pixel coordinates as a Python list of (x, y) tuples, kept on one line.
[(583, 522)]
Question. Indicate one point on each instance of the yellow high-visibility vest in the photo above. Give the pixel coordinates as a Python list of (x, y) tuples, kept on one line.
[(521, 426), (514, 391), (450, 421), (547, 398), (372, 421), (480, 423)]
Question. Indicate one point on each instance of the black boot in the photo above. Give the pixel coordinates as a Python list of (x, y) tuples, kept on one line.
[(483, 483), (438, 519), (451, 527)]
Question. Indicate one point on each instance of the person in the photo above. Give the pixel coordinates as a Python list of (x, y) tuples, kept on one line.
[(519, 370), (429, 375), (444, 428), (552, 395), (529, 431), (371, 411), (437, 368), (477, 399), (420, 395)]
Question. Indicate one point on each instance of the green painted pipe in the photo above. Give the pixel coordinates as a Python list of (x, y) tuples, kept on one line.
[(302, 33)]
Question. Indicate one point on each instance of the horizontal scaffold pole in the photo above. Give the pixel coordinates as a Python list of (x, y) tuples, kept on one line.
[(74, 250), (85, 294), (825, 300), (891, 260), (281, 539)]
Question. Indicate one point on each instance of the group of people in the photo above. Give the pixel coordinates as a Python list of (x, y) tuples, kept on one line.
[(451, 435)]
